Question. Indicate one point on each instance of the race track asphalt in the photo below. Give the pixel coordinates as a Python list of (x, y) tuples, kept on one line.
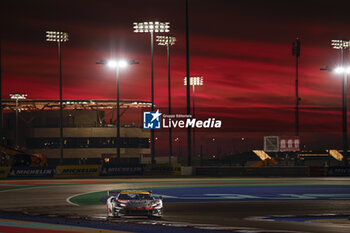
[(49, 198)]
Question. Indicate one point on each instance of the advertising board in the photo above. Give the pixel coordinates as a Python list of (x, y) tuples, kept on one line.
[(31, 172), (121, 170), (77, 171)]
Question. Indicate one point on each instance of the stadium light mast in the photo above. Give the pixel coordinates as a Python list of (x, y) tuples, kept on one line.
[(168, 41), (342, 45), (152, 27), (296, 53), (59, 37), (117, 65), (188, 92), (194, 81), (17, 97), (1, 130)]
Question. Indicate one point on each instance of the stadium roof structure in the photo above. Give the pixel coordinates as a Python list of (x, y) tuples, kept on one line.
[(37, 105)]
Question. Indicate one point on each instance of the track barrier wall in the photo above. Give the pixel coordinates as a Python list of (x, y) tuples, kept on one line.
[(163, 169), (338, 171), (31, 172), (81, 171), (121, 170), (317, 171), (71, 171), (4, 172)]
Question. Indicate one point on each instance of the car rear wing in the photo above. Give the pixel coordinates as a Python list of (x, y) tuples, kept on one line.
[(112, 193)]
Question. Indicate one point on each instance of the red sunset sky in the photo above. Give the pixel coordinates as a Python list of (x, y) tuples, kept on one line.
[(241, 48)]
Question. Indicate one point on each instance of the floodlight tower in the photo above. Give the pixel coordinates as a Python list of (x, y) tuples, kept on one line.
[(152, 27), (59, 37), (194, 81), (117, 65), (168, 41), (17, 96), (188, 95), (342, 45)]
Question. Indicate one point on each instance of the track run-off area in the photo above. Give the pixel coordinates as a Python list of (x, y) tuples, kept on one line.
[(190, 204)]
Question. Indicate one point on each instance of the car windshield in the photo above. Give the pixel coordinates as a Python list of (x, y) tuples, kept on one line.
[(135, 196)]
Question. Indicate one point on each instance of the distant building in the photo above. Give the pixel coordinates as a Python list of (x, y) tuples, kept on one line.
[(87, 136)]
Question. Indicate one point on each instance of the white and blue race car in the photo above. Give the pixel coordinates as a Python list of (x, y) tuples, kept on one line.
[(134, 203)]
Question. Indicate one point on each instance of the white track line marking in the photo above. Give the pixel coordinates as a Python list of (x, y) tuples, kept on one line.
[(70, 197)]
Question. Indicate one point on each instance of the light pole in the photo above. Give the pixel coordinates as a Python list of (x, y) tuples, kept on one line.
[(1, 133), (59, 37), (168, 41), (296, 53), (194, 81), (152, 27), (188, 95), (117, 65), (342, 45), (17, 97)]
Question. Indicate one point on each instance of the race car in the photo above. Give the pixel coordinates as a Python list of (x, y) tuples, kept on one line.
[(134, 203)]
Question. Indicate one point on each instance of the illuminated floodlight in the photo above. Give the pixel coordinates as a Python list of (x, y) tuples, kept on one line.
[(341, 70), (56, 36), (114, 63), (166, 40), (194, 81), (340, 44), (17, 96), (152, 27), (122, 63)]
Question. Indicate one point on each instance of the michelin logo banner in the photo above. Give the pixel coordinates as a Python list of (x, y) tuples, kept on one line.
[(77, 170), (31, 172), (121, 170)]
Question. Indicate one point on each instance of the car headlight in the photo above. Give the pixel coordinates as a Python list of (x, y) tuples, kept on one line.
[(121, 204)]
